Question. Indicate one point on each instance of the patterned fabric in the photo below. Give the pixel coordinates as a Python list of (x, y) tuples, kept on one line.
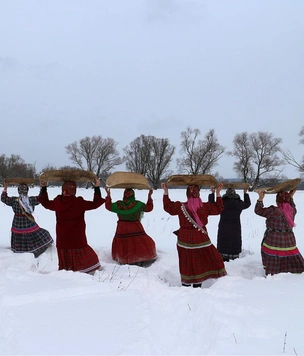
[(198, 258), (193, 191), (69, 188), (23, 189), (128, 200), (82, 259), (26, 235), (279, 251), (70, 222), (73, 250), (131, 244), (229, 234)]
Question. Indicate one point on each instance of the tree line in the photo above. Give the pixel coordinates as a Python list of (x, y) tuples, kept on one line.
[(258, 157)]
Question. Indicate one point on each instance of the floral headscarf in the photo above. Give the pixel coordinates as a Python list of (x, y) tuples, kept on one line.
[(128, 200), (129, 206), (69, 188)]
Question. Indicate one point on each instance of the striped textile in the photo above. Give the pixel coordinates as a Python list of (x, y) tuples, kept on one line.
[(198, 258), (278, 249), (78, 260), (26, 235), (131, 244)]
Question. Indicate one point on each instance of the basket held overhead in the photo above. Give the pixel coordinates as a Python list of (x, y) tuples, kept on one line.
[(127, 180), (19, 180), (203, 180), (63, 175), (282, 187), (236, 185)]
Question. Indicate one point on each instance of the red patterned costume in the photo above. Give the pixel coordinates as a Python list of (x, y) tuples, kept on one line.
[(131, 244), (198, 257), (73, 251), (279, 251)]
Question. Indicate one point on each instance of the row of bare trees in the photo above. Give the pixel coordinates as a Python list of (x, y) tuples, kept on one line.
[(259, 159)]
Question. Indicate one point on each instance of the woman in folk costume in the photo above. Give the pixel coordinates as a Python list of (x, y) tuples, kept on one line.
[(26, 235), (131, 244), (73, 250), (229, 236), (279, 250), (199, 260)]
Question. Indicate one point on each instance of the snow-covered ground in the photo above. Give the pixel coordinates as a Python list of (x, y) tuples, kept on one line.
[(128, 310)]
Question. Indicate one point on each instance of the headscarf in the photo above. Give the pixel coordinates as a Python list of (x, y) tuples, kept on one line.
[(128, 206), (194, 202), (231, 194), (283, 203), (69, 188), (24, 199)]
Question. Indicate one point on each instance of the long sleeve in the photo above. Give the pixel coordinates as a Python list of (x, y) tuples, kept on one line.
[(214, 208), (211, 198), (247, 201), (173, 208), (108, 203), (149, 205), (6, 199), (97, 200), (43, 198)]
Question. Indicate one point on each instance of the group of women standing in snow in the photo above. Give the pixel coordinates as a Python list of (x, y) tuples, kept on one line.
[(199, 259)]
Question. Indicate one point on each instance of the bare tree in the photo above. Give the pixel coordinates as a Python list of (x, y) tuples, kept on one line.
[(149, 156), (258, 161), (289, 157), (244, 154), (138, 155), (15, 166), (96, 154), (199, 156)]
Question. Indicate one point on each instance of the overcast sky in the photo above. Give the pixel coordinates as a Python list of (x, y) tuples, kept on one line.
[(122, 68)]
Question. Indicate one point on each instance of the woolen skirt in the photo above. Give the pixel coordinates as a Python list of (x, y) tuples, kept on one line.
[(32, 239), (200, 264), (78, 260), (131, 244)]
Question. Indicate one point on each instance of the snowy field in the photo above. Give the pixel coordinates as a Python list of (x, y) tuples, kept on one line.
[(128, 310)]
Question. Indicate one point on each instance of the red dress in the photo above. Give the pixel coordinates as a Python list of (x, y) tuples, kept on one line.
[(73, 250), (198, 257), (131, 244)]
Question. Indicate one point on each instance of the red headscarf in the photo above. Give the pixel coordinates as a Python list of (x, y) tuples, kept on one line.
[(69, 188), (193, 191)]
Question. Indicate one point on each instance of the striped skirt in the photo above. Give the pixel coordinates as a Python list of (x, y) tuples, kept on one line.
[(78, 260)]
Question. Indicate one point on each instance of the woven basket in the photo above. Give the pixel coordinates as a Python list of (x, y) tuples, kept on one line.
[(282, 187), (127, 180), (18, 180), (236, 185), (63, 175), (203, 180)]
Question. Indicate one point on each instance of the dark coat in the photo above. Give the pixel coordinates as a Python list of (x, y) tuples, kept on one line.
[(229, 236)]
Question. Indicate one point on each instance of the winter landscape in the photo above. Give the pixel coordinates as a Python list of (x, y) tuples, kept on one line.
[(128, 310)]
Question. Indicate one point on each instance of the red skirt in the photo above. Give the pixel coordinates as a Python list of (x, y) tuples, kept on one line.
[(197, 265), (131, 244), (78, 259)]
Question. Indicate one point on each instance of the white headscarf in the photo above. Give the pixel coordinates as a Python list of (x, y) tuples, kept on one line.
[(24, 199)]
